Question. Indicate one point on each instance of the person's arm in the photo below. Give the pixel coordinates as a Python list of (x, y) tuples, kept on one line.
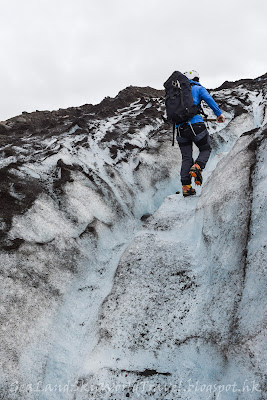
[(204, 95)]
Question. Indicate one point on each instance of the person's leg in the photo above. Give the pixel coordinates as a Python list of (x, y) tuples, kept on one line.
[(185, 145), (202, 141)]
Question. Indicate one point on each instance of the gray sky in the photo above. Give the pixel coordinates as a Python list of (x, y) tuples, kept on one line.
[(61, 53)]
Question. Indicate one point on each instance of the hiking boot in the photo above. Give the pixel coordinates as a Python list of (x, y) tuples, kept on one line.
[(188, 190), (195, 172)]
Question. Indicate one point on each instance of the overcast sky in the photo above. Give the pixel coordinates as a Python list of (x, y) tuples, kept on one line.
[(61, 53)]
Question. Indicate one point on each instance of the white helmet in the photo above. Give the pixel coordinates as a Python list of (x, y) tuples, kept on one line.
[(191, 74)]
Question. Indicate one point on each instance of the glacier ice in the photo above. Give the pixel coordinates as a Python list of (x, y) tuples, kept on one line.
[(112, 285)]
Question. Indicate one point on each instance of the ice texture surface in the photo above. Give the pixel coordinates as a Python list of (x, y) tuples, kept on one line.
[(112, 285)]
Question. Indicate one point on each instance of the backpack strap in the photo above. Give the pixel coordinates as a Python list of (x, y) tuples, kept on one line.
[(173, 134)]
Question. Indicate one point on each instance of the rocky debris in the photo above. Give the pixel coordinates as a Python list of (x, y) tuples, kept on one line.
[(3, 129), (17, 195), (250, 84)]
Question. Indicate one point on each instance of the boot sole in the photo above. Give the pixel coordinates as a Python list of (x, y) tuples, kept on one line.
[(188, 195), (194, 175)]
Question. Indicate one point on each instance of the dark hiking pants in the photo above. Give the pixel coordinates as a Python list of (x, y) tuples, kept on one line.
[(186, 135)]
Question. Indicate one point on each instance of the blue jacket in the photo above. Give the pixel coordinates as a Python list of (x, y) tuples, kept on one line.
[(200, 93)]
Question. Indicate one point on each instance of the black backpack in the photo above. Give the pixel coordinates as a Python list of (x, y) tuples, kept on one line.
[(179, 99)]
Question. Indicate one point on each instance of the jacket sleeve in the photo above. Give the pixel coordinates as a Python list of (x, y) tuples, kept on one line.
[(204, 95)]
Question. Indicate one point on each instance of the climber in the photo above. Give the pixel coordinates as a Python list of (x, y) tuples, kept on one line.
[(195, 131)]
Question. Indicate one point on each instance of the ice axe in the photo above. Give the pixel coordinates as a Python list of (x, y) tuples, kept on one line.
[(210, 119)]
